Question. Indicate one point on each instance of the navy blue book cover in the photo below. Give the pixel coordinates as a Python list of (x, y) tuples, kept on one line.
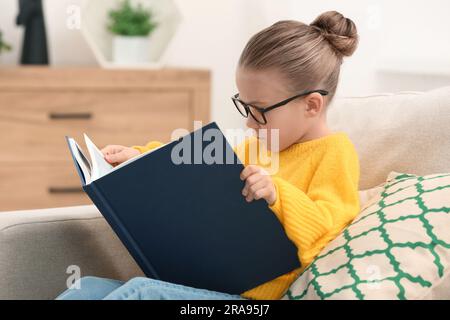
[(189, 223)]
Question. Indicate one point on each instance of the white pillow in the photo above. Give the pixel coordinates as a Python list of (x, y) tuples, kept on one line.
[(369, 196), (403, 132), (397, 248)]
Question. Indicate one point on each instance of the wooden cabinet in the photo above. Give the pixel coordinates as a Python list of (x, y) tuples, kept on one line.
[(39, 106)]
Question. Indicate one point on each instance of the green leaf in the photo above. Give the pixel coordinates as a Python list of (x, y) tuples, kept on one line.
[(131, 21), (3, 45)]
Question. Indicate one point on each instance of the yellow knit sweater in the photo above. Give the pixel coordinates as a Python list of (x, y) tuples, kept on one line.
[(317, 196)]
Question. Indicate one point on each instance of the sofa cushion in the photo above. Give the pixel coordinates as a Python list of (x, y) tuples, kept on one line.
[(403, 132), (369, 196), (43, 250), (397, 248)]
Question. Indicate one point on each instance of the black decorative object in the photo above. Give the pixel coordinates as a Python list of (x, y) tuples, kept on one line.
[(31, 16)]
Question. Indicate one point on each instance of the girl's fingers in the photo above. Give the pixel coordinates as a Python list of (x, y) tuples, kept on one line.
[(262, 193), (251, 181), (252, 190), (262, 183), (116, 157), (111, 149), (119, 154), (254, 178), (248, 171)]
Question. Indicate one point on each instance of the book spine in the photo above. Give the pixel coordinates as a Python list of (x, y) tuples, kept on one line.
[(107, 211)]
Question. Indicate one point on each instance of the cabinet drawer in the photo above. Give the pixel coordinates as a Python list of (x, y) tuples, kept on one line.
[(41, 185), (33, 124)]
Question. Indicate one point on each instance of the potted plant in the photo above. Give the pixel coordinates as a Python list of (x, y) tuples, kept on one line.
[(132, 27), (4, 47)]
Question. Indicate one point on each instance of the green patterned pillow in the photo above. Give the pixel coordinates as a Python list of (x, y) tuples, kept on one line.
[(397, 248)]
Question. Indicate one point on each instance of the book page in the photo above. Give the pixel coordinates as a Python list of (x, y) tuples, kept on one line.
[(81, 159), (100, 166)]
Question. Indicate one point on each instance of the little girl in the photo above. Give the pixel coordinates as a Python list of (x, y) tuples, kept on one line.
[(287, 76)]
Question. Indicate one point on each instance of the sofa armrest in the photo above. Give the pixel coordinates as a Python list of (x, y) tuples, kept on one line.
[(37, 247)]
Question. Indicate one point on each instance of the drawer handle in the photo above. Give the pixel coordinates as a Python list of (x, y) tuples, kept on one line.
[(70, 116), (59, 190)]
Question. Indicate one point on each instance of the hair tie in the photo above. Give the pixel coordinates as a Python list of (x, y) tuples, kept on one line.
[(317, 28), (324, 33)]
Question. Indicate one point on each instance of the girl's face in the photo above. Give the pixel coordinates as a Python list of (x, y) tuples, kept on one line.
[(296, 121)]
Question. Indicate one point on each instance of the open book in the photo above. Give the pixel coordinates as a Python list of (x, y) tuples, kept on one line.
[(97, 166), (169, 214)]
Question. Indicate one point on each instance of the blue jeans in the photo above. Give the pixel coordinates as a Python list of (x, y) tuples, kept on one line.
[(93, 288)]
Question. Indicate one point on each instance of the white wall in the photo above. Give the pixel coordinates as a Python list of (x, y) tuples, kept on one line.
[(412, 35), (11, 34), (404, 45)]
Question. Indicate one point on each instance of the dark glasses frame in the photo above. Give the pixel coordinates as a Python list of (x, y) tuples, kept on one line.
[(263, 111)]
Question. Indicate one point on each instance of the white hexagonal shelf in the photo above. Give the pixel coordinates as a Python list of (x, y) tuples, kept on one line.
[(94, 30)]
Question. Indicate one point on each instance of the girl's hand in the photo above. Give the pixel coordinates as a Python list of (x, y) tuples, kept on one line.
[(115, 155), (258, 184)]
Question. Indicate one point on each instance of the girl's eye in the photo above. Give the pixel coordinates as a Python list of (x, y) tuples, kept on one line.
[(257, 115)]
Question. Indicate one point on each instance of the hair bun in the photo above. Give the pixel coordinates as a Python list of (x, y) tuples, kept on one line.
[(340, 32)]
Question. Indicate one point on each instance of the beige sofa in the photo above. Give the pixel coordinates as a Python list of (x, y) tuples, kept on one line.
[(41, 249)]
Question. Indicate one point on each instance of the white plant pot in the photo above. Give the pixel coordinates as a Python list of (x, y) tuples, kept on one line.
[(131, 50)]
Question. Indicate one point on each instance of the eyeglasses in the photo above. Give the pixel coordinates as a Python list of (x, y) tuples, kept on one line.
[(258, 113)]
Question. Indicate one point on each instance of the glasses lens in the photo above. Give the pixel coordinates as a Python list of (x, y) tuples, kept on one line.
[(257, 115), (242, 110)]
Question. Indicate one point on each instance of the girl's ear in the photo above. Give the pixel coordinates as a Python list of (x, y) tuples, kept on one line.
[(314, 104)]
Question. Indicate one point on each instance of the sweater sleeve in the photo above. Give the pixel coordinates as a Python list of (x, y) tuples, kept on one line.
[(149, 146), (313, 218)]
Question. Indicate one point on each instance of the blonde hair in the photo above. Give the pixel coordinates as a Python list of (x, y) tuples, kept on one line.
[(308, 56)]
